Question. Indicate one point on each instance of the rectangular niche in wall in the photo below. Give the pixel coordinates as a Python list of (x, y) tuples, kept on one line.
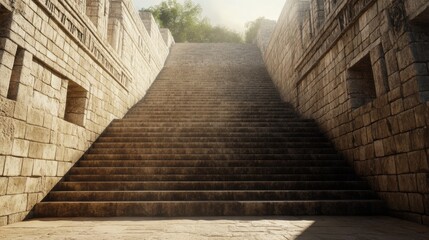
[(75, 104), (5, 20), (18, 65), (420, 28), (360, 82)]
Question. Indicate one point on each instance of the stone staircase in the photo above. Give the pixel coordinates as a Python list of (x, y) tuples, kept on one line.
[(211, 138)]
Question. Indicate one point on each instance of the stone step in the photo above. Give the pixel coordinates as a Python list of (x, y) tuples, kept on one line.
[(170, 120), (277, 106), (208, 208), (207, 88), (212, 185), (138, 125), (213, 104), (211, 151), (212, 140), (207, 170), (115, 145), (206, 118), (216, 134), (104, 156), (202, 178), (212, 129), (208, 112), (237, 195), (175, 109), (266, 115), (255, 93), (208, 163)]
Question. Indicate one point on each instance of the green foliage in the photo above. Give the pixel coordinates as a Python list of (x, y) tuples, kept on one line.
[(187, 25), (252, 29)]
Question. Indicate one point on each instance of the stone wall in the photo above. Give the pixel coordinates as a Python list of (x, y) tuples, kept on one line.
[(67, 69), (264, 34), (360, 69)]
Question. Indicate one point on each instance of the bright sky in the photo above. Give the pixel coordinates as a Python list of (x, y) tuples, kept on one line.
[(232, 14)]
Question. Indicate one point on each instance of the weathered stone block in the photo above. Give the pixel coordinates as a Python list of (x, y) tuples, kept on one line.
[(32, 200), (35, 117), (17, 217), (2, 163), (33, 185), (396, 201), (407, 183), (10, 204), (16, 185), (20, 111), (27, 167), (49, 183), (8, 45), (388, 165), (12, 166), (49, 152), (379, 149), (416, 203), (7, 59), (418, 161), (423, 182), (6, 107), (3, 221), (37, 134), (402, 165), (36, 150), (402, 142), (3, 185), (45, 168), (7, 131), (63, 168), (20, 148)]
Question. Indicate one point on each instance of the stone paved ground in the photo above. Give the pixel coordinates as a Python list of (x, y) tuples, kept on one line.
[(270, 228)]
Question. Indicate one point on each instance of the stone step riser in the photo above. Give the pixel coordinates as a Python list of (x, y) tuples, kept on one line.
[(210, 140), (207, 208), (210, 156), (231, 114), (202, 178), (247, 185), (207, 170), (206, 163), (213, 96), (163, 144), (171, 120), (213, 129), (180, 112), (192, 151), (208, 195), (213, 104), (201, 110), (220, 135), (266, 94), (186, 105), (210, 125), (199, 118)]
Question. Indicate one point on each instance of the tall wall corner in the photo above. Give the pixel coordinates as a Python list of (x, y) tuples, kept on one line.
[(167, 36), (264, 34), (359, 68), (148, 21), (68, 68)]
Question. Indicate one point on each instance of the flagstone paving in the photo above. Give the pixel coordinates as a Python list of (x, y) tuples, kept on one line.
[(246, 228)]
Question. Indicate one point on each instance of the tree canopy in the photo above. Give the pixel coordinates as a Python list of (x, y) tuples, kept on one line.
[(187, 25), (252, 29)]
